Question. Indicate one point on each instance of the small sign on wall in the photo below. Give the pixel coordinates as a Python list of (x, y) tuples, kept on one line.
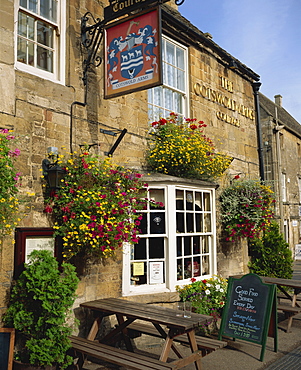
[(298, 252)]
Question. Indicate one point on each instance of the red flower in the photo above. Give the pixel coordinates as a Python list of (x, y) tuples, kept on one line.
[(192, 280), (162, 121), (48, 209), (193, 127)]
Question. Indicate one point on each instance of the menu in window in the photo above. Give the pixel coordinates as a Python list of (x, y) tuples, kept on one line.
[(156, 272), (138, 268)]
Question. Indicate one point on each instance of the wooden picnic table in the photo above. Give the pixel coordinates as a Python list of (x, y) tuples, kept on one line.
[(127, 312)]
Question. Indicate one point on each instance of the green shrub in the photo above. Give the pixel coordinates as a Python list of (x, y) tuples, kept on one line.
[(39, 310), (270, 254)]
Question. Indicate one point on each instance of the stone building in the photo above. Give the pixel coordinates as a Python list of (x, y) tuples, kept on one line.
[(48, 104), (281, 143)]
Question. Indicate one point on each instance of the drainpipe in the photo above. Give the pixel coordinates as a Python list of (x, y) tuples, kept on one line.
[(279, 171), (256, 87)]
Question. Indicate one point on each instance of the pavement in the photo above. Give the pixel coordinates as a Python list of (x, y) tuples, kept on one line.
[(238, 354)]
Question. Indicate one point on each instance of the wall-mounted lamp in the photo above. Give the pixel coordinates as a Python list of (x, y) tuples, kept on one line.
[(53, 173), (233, 64)]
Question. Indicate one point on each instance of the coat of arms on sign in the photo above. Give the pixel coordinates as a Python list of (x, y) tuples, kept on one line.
[(133, 60)]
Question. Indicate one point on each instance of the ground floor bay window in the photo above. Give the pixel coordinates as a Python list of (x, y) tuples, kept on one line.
[(177, 240)]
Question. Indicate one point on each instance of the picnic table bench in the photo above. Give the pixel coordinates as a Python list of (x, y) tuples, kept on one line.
[(205, 345), (176, 328)]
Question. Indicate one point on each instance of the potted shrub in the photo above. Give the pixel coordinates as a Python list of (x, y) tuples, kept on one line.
[(39, 308)]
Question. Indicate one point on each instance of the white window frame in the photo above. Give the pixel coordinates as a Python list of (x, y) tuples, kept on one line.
[(59, 46), (163, 110), (171, 249)]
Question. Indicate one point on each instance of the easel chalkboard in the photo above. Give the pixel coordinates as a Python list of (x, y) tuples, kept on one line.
[(250, 312), (7, 341)]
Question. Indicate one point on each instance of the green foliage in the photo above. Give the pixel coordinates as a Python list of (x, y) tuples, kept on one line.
[(207, 296), (180, 148), (246, 208), (9, 202), (270, 254), (39, 307)]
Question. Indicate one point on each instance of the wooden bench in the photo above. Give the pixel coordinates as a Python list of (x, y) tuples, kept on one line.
[(82, 347), (289, 309), (206, 345), (283, 296), (289, 312)]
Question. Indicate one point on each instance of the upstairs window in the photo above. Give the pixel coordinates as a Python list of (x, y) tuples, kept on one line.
[(39, 45), (172, 96)]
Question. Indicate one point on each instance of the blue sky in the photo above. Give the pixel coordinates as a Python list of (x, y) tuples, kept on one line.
[(265, 35)]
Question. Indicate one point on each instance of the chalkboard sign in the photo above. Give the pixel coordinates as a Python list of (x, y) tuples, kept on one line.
[(248, 311), (7, 339)]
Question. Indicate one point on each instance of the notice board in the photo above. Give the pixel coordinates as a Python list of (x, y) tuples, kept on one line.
[(7, 340), (250, 312)]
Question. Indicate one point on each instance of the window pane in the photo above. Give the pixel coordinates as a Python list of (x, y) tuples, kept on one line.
[(179, 246), (140, 250), (207, 203), (157, 223), (198, 222), (189, 222), (196, 245), (207, 222), (180, 58), (138, 279), (180, 270), (205, 265), (187, 268), (178, 103), (32, 6), (143, 224), (158, 95), (23, 3), (168, 99), (170, 56), (180, 222), (44, 59), (30, 48), (198, 200), (158, 196), (156, 248), (180, 80), (22, 50), (196, 266), (171, 76), (22, 24), (187, 246), (180, 199), (30, 28), (44, 34), (48, 9), (205, 244)]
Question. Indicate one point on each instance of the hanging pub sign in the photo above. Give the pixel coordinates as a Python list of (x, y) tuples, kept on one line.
[(133, 54), (118, 8)]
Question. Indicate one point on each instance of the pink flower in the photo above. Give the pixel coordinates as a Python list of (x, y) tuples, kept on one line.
[(14, 153)]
